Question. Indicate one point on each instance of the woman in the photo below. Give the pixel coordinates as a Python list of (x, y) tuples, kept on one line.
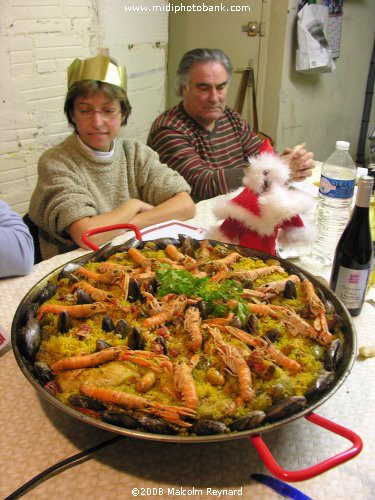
[(16, 244), (94, 177)]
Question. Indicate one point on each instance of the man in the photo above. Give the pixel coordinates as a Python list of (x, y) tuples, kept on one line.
[(202, 138)]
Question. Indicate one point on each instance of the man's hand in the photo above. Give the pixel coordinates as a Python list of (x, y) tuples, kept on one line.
[(300, 161)]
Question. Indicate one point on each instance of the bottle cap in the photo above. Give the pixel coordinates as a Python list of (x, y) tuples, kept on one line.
[(365, 184), (344, 145)]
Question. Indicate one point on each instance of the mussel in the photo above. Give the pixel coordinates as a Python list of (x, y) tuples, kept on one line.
[(83, 297), (187, 245), (156, 426), (102, 344), (120, 419), (103, 253), (64, 322), (251, 323), (136, 341), (107, 324), (290, 291), (161, 341), (253, 419), (285, 408), (134, 292), (205, 427), (273, 334), (122, 328), (80, 401), (47, 292), (322, 382), (42, 371), (69, 269), (163, 242), (333, 355), (30, 338)]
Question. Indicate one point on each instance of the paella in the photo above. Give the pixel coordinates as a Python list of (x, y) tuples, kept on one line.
[(183, 337)]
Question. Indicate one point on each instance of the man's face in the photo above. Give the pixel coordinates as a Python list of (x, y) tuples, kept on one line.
[(204, 97)]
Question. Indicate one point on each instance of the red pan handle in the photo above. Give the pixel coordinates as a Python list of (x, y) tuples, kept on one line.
[(105, 229), (315, 470)]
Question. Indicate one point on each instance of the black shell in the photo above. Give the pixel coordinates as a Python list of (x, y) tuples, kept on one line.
[(102, 344), (273, 334), (64, 322), (69, 269), (86, 402), (204, 427), (188, 246), (156, 426), (290, 291), (251, 323), (134, 291), (47, 292), (285, 408), (322, 382), (122, 328), (30, 338), (103, 254), (161, 340), (249, 421), (43, 372), (83, 297), (107, 324), (333, 355), (120, 419), (136, 340), (163, 242)]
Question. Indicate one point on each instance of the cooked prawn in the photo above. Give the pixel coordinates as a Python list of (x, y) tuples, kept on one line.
[(168, 412), (75, 311), (192, 326), (87, 360)]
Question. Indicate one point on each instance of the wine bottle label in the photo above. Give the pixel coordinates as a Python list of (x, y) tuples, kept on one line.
[(335, 188), (351, 286)]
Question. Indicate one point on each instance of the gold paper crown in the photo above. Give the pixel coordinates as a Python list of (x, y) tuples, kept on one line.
[(98, 68)]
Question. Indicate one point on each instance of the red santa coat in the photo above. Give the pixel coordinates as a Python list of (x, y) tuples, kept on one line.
[(265, 210)]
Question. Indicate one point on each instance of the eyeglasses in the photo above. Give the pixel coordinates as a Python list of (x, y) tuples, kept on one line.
[(88, 113)]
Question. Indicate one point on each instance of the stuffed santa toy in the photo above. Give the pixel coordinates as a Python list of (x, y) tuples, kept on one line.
[(266, 210)]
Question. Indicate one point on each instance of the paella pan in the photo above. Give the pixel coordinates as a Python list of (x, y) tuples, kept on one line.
[(185, 341)]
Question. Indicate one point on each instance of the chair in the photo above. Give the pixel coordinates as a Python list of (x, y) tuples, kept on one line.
[(33, 228)]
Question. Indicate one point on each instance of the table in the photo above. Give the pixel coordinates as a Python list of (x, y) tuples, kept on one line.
[(36, 435)]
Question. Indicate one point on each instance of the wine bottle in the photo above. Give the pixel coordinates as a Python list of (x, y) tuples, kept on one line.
[(353, 256)]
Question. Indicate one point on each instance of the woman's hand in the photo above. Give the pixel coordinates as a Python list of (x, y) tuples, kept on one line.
[(300, 161)]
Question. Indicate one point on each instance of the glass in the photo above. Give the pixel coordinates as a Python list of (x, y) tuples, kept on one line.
[(105, 113)]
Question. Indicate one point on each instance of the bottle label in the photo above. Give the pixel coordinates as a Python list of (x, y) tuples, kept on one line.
[(351, 286), (335, 188)]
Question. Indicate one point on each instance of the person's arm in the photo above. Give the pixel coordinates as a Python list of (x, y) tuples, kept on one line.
[(120, 215), (180, 207), (16, 244)]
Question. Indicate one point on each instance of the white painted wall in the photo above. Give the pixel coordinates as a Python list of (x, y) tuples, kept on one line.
[(38, 40), (321, 109)]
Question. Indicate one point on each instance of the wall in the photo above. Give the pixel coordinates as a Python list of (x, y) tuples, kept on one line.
[(38, 40), (321, 109)]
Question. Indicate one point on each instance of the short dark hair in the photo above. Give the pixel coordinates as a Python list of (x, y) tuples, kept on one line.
[(200, 56), (86, 88)]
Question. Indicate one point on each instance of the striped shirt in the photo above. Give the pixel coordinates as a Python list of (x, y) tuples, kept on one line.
[(212, 162)]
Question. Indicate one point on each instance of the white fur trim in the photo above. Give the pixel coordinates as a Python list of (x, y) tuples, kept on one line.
[(297, 236), (215, 233), (276, 168)]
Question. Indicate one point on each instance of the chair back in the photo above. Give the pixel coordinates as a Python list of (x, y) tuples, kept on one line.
[(33, 228)]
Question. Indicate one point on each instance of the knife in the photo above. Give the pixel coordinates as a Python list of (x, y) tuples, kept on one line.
[(280, 487)]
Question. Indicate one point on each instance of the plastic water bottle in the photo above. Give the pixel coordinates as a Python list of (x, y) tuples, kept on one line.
[(334, 202)]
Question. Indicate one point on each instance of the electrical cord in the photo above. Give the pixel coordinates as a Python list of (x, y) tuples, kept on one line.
[(59, 466)]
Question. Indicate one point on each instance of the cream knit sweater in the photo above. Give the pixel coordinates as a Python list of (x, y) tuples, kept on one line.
[(72, 184)]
